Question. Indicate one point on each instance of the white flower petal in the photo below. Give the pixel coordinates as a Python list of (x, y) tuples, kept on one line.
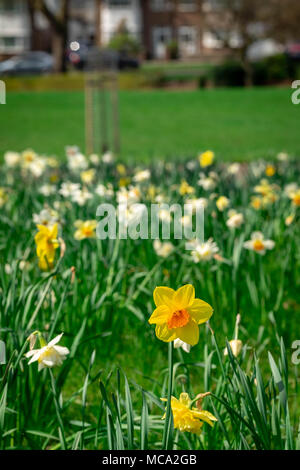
[(55, 340)]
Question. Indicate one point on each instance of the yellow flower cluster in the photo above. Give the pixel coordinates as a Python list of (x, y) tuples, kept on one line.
[(187, 418)]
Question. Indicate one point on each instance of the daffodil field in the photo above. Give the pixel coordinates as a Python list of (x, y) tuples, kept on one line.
[(149, 343)]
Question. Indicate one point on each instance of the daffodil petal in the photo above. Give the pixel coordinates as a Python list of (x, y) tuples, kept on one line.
[(163, 296), (184, 296), (55, 340), (205, 416), (160, 315), (189, 333), (200, 311), (164, 333)]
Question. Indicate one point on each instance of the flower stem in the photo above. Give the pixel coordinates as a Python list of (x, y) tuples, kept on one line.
[(168, 428), (58, 413)]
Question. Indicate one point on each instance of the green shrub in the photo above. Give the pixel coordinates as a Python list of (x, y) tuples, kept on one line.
[(123, 42), (173, 50), (228, 74), (274, 69)]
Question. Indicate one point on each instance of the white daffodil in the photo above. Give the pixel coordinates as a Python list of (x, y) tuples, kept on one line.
[(37, 166), (234, 168), (105, 191), (47, 189), (142, 175), (27, 157), (47, 217), (71, 150), (282, 156), (49, 355), (129, 196), (202, 251), (12, 159), (77, 162), (94, 159), (208, 182), (290, 189), (258, 243), (81, 196), (108, 157), (235, 219), (68, 189), (163, 249)]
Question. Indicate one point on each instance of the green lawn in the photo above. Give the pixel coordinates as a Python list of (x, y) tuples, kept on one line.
[(236, 123)]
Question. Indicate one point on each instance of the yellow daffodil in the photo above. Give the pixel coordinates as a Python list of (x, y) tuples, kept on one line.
[(85, 229), (270, 170), (3, 197), (46, 244), (187, 418), (206, 158), (178, 314), (256, 202), (289, 219), (121, 169), (268, 191), (185, 188), (222, 203), (295, 197), (124, 182), (88, 176)]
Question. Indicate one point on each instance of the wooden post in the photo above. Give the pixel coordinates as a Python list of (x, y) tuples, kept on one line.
[(89, 126), (101, 111)]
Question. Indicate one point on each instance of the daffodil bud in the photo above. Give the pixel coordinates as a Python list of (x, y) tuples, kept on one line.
[(236, 347)]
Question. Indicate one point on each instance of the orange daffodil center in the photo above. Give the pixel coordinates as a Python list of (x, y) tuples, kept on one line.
[(178, 314), (178, 319), (258, 245)]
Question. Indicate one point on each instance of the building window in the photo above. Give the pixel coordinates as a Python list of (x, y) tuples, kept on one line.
[(119, 3), (187, 40), (161, 36), (11, 44), (161, 5), (10, 6), (187, 5), (211, 5)]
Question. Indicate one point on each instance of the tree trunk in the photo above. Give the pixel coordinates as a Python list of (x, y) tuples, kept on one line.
[(247, 66), (59, 24), (98, 22), (59, 45), (34, 45)]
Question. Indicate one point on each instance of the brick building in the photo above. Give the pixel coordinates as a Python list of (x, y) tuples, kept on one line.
[(156, 24)]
